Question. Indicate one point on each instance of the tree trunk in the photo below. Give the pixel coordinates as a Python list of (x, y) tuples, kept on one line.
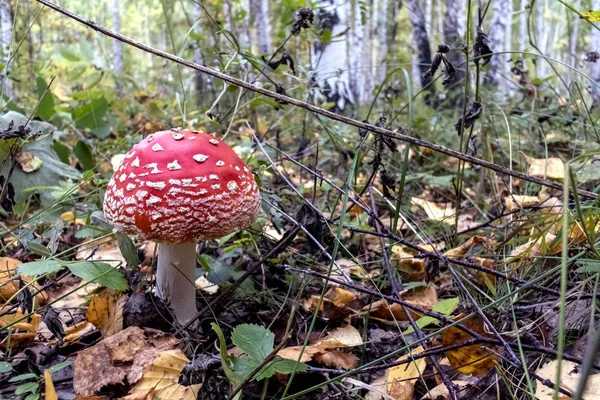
[(244, 37), (263, 27), (542, 29), (595, 66), (330, 61), (573, 43), (423, 50), (523, 34), (428, 11), (355, 53), (498, 31), (201, 81), (117, 48), (6, 39), (454, 29), (382, 34)]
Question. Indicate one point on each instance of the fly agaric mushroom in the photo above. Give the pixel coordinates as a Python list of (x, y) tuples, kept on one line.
[(176, 187)]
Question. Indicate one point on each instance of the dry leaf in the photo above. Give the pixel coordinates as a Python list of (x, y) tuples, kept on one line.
[(346, 336), (106, 313), (49, 391), (570, 375), (377, 390), (407, 263), (8, 270), (334, 304), (547, 168), (436, 211), (515, 202), (440, 392), (206, 286), (23, 329), (107, 251), (538, 247), (424, 297), (121, 358), (337, 359), (401, 379), (28, 162), (292, 353), (460, 251), (473, 359), (160, 378)]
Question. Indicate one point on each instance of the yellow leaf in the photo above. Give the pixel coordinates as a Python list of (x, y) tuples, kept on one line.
[(514, 202), (436, 211), (473, 359), (160, 378), (76, 331), (424, 297), (441, 391), (538, 247), (337, 359), (591, 16), (50, 392), (407, 263), (106, 313), (460, 251), (547, 168), (401, 379), (24, 327), (570, 375), (346, 336), (8, 271)]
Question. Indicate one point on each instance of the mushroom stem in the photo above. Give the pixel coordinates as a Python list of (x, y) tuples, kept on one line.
[(175, 277)]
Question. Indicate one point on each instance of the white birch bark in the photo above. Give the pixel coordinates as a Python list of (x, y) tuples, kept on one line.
[(117, 47), (355, 54), (523, 34), (595, 67), (428, 11), (6, 39), (201, 81), (382, 32), (497, 35), (573, 44), (263, 27), (330, 61), (542, 33), (421, 46), (244, 38)]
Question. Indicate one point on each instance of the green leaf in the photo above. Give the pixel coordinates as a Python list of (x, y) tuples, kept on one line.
[(5, 367), (128, 250), (281, 365), (59, 366), (84, 155), (243, 366), (421, 323), (89, 116), (29, 387), (589, 266), (32, 396), (254, 340), (41, 267), (45, 109), (68, 54), (226, 362), (446, 306), (22, 377), (39, 249), (61, 151), (99, 272)]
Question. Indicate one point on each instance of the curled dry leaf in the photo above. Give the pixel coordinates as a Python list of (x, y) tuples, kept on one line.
[(343, 337), (206, 286), (515, 202), (161, 376), (50, 392), (424, 297), (106, 313), (460, 251), (473, 359), (29, 163), (334, 305), (9, 286), (547, 168), (403, 260), (436, 211), (440, 392), (24, 326), (545, 244), (570, 375), (73, 333)]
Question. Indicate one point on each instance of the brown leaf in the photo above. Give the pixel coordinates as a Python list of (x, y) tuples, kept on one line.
[(547, 168), (407, 263), (337, 359), (436, 211), (106, 313), (440, 392), (73, 333), (8, 271), (570, 375), (29, 163), (398, 382), (120, 357), (424, 297), (160, 379), (24, 327), (460, 251), (473, 359)]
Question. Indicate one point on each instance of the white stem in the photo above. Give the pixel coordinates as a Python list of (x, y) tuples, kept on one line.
[(175, 277)]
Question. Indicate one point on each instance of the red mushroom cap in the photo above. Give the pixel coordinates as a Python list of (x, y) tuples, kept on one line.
[(178, 186)]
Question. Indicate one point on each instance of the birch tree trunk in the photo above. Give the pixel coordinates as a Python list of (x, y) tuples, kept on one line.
[(355, 53), (382, 34), (595, 66), (573, 44), (421, 44), (201, 81), (498, 32), (542, 29), (6, 39), (523, 34), (117, 48), (263, 27), (244, 38), (330, 61), (428, 11), (454, 29)]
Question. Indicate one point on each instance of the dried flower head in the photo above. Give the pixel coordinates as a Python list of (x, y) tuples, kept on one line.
[(304, 19)]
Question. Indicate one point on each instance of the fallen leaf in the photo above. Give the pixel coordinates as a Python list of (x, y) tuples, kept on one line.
[(107, 251), (460, 251), (424, 297), (8, 271), (436, 211), (337, 359), (570, 376), (160, 378), (293, 352), (484, 278), (401, 379), (334, 305), (121, 358), (106, 313), (75, 332), (543, 245), (50, 392), (346, 336), (440, 392), (473, 359), (408, 263), (547, 168), (378, 390), (515, 202), (29, 163), (206, 286), (24, 327)]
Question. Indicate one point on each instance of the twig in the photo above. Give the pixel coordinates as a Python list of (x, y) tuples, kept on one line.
[(331, 115)]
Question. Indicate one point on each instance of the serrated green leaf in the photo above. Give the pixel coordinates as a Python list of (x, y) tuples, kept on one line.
[(281, 365), (39, 249), (254, 340), (128, 250), (243, 366), (99, 272), (5, 367), (41, 267)]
